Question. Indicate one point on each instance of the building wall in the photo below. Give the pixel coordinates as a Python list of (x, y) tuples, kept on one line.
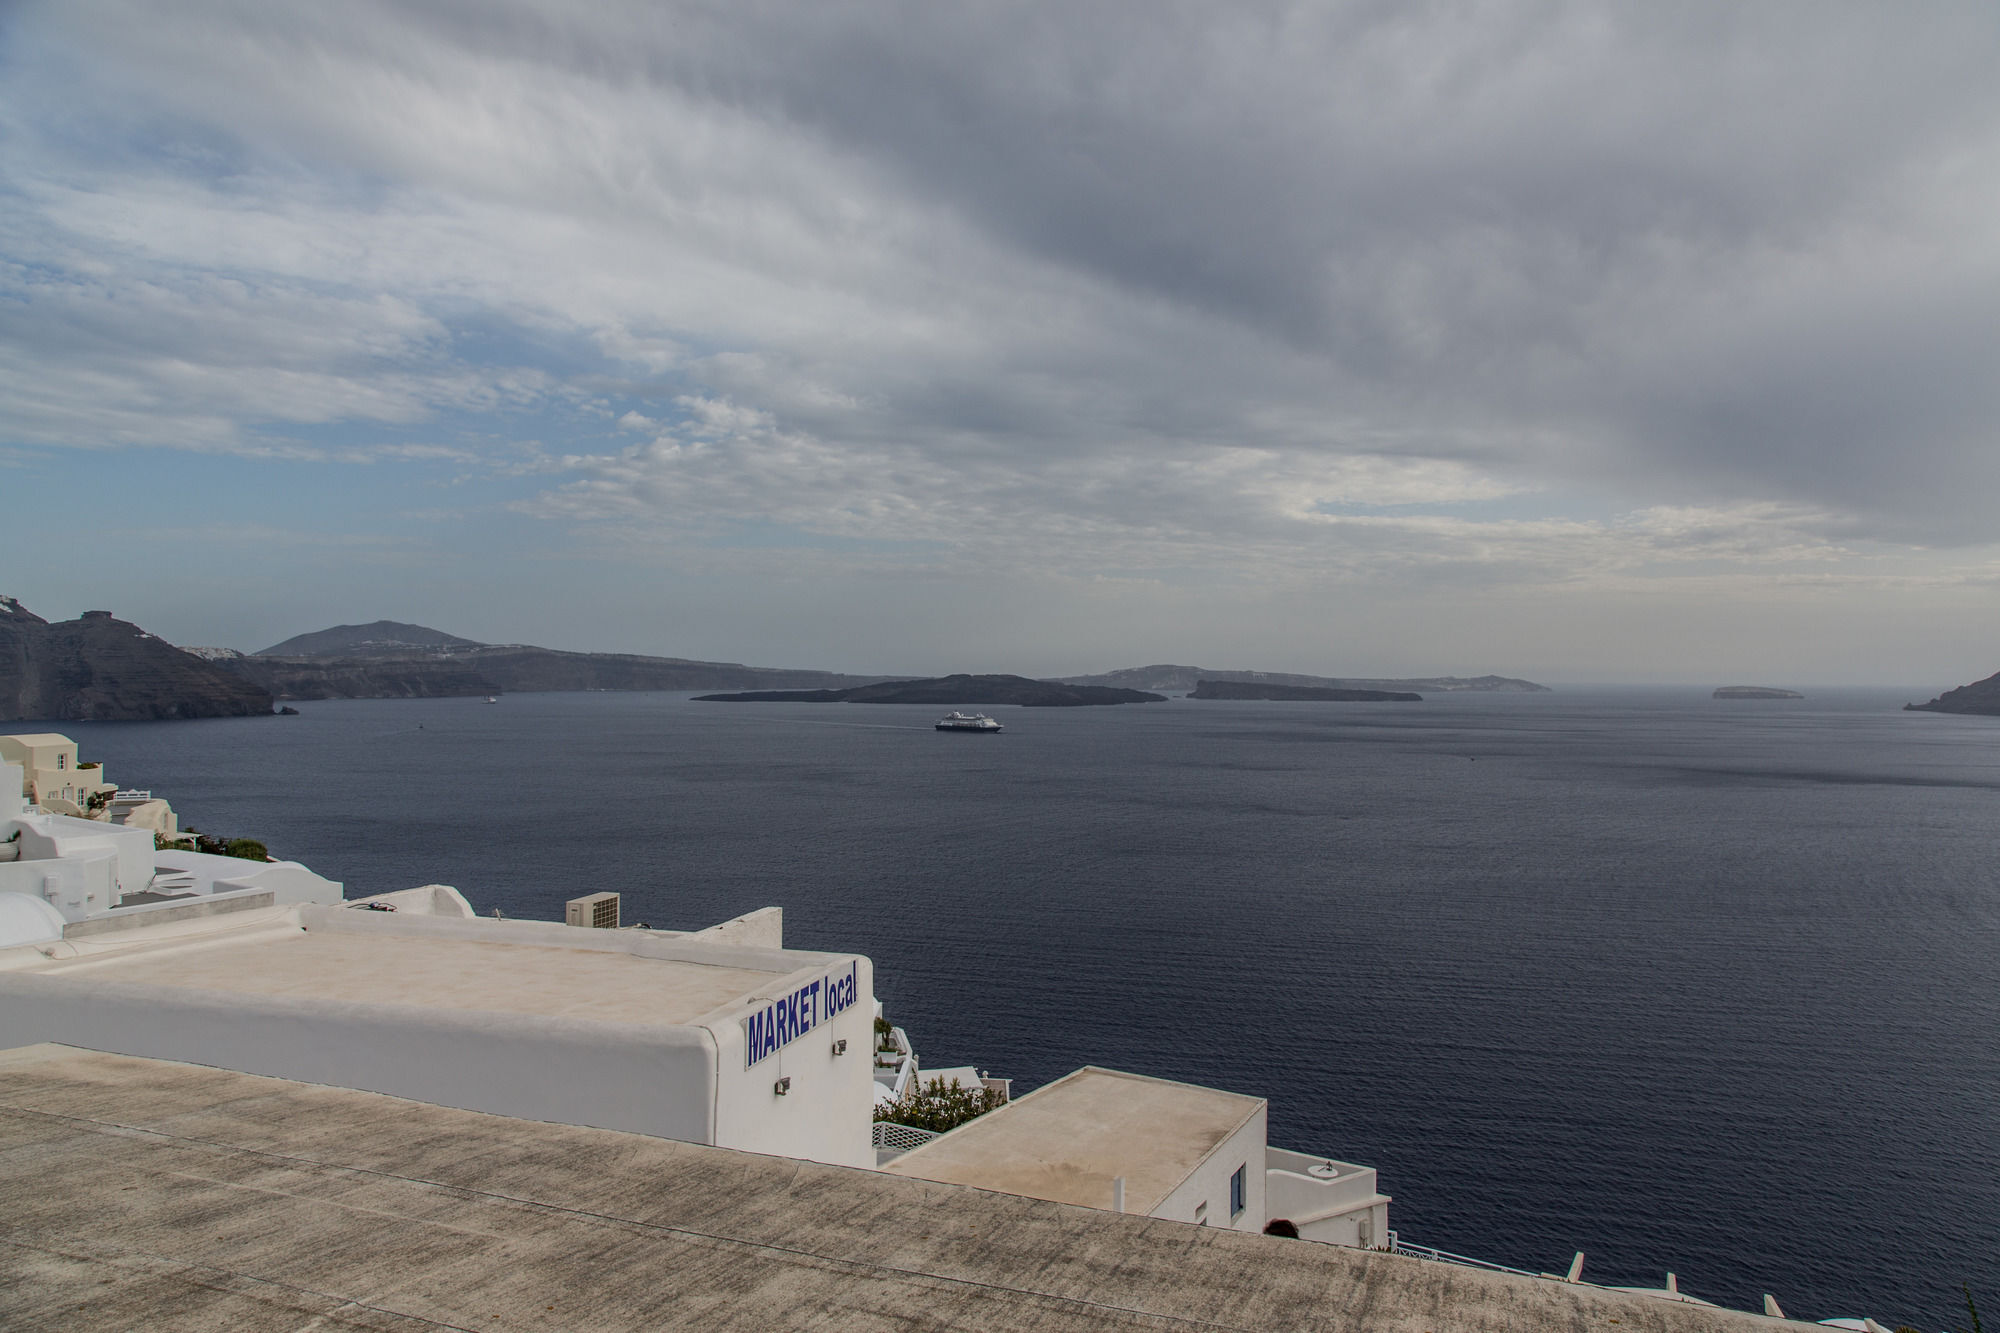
[(48, 838), (689, 1081), (1346, 1208), (648, 1080), (827, 1112), (13, 789), (1209, 1182), (50, 769)]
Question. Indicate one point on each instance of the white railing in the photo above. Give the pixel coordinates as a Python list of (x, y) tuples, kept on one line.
[(1396, 1246), (900, 1138)]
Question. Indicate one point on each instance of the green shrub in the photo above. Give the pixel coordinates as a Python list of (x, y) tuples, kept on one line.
[(249, 849), (939, 1106)]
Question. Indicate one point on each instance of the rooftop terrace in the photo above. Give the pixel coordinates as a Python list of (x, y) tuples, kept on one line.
[(1068, 1141), (145, 1194)]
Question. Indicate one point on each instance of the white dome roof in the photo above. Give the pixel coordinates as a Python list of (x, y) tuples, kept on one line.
[(26, 919)]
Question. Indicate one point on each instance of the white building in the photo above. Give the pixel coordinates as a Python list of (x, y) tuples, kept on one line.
[(1125, 1142), (51, 775), (88, 871), (720, 1036)]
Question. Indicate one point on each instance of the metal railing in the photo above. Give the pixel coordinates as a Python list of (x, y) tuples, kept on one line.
[(1396, 1246), (900, 1138)]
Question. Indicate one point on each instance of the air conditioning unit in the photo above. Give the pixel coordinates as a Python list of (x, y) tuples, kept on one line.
[(598, 911)]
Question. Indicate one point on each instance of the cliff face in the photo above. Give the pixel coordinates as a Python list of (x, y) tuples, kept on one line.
[(361, 678), (1982, 696), (484, 669), (99, 669)]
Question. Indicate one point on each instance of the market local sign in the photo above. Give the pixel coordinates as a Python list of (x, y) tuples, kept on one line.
[(792, 1016)]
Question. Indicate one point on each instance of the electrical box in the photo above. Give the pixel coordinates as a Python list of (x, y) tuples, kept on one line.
[(598, 911)]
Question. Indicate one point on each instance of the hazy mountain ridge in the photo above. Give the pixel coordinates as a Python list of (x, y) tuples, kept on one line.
[(389, 659), (375, 639), (97, 668), (1186, 678), (949, 691), (1270, 691)]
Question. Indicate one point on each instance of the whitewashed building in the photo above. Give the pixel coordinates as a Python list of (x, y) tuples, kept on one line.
[(1128, 1143), (720, 1037), (51, 774)]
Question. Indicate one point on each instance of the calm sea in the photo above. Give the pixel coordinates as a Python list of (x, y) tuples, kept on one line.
[(1709, 987)]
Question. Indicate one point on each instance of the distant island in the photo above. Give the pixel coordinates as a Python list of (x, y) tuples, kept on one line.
[(950, 690), (1240, 689), (1981, 697), (1185, 678), (1754, 692), (98, 668)]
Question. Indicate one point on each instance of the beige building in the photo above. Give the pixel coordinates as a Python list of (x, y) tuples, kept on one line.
[(51, 772), (1132, 1144)]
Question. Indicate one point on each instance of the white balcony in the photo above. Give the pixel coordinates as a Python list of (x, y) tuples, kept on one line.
[(1330, 1201)]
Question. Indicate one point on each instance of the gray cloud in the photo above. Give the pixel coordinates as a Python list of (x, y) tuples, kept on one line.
[(1476, 291)]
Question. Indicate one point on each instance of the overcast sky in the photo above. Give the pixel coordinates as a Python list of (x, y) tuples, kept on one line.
[(1579, 342)]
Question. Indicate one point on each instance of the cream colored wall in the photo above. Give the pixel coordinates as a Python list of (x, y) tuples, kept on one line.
[(50, 771), (1209, 1182)]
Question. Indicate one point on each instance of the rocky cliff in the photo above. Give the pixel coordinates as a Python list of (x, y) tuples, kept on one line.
[(1982, 696), (97, 668)]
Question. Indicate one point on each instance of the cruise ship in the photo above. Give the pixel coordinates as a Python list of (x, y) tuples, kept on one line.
[(957, 721)]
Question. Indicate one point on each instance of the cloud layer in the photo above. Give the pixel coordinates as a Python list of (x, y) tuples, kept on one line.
[(1484, 292)]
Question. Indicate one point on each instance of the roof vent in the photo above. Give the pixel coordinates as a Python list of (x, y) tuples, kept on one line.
[(598, 911)]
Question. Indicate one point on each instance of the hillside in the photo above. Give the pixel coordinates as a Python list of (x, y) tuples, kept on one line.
[(97, 668), (1185, 678), (1982, 696), (1243, 689), (375, 639), (951, 691), (389, 659)]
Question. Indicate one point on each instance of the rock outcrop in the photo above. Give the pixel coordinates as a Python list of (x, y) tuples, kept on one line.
[(1982, 696), (98, 668)]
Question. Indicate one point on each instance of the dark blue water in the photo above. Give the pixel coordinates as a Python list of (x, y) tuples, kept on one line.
[(1709, 987)]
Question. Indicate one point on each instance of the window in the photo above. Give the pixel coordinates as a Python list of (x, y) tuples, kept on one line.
[(62, 760), (1237, 1191)]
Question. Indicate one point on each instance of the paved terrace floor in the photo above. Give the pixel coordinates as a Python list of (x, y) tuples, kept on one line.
[(145, 1194)]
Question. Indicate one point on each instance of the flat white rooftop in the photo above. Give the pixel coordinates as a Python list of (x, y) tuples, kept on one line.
[(440, 973), (1067, 1141)]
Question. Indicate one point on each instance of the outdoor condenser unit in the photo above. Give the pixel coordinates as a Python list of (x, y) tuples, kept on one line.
[(596, 910)]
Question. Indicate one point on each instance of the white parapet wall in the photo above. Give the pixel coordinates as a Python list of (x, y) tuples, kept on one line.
[(1334, 1202)]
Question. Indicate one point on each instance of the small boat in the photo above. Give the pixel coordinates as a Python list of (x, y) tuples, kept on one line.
[(492, 699), (957, 721)]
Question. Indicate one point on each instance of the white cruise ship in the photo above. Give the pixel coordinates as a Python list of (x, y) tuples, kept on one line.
[(957, 721)]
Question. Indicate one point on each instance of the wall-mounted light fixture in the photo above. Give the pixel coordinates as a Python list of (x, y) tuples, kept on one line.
[(782, 1086)]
